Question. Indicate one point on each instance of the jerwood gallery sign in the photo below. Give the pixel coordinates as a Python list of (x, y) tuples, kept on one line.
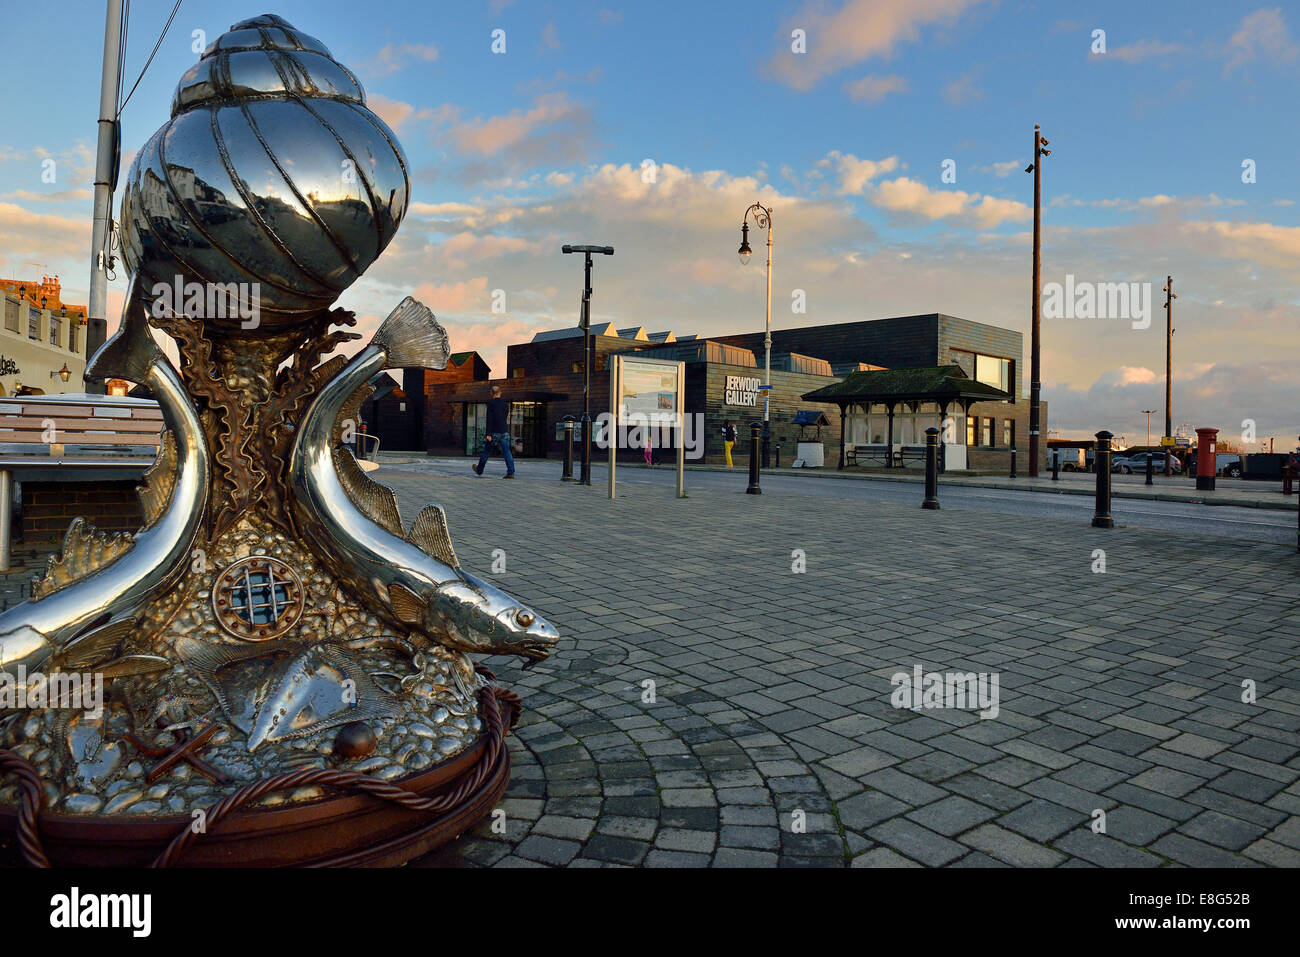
[(742, 390)]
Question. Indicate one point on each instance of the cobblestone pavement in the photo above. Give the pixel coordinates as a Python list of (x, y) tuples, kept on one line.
[(771, 738)]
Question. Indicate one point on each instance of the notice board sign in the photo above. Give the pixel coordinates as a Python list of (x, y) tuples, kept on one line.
[(649, 395)]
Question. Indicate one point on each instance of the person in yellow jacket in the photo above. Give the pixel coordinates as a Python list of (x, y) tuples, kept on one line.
[(728, 439)]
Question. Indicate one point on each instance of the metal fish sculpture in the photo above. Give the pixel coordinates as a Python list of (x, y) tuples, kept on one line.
[(353, 521), (80, 622)]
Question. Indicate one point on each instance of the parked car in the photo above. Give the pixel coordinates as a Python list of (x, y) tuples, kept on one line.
[(1225, 463), (1137, 462)]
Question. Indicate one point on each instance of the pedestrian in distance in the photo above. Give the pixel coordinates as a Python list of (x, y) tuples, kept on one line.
[(728, 439), (498, 433)]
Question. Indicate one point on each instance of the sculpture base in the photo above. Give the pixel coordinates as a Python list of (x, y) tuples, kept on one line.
[(345, 830)]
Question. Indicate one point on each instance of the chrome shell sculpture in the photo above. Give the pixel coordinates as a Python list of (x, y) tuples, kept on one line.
[(273, 616)]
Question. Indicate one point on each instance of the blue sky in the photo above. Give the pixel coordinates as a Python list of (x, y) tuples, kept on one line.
[(517, 153)]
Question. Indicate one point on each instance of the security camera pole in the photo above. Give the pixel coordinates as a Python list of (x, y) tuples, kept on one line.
[(585, 478), (1035, 385), (1169, 371)]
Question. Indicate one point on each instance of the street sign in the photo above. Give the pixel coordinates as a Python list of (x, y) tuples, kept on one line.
[(1167, 440)]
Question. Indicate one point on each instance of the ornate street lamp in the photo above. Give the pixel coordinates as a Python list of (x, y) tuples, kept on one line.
[(65, 373), (763, 220)]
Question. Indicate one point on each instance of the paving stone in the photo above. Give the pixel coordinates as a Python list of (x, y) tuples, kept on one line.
[(1010, 847), (1222, 831), (1167, 781), (917, 842), (547, 850), (1104, 851), (681, 839), (661, 858), (573, 828), (744, 857), (882, 857), (619, 850), (1186, 850), (762, 838), (864, 810), (1042, 821), (952, 815)]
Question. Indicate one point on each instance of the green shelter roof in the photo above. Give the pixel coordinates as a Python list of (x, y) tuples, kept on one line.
[(926, 384)]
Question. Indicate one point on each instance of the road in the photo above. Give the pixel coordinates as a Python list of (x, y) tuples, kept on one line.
[(1248, 524)]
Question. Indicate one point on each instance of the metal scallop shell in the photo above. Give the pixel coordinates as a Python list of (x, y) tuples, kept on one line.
[(272, 170)]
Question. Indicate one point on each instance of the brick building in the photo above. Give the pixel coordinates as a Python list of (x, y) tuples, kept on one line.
[(544, 382)]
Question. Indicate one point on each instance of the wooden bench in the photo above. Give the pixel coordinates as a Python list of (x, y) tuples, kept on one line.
[(72, 438), (858, 454)]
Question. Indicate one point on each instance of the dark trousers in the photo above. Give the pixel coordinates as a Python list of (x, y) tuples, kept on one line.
[(502, 441)]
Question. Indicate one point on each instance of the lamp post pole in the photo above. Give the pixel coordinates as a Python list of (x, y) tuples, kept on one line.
[(106, 167), (585, 477), (1147, 413), (763, 220), (1035, 383)]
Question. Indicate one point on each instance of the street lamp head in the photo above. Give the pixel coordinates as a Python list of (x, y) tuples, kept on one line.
[(744, 252), (1029, 168), (601, 250)]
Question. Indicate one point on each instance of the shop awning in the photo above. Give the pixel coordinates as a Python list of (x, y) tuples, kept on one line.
[(946, 385)]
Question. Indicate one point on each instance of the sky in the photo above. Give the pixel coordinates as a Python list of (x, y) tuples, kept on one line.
[(889, 137)]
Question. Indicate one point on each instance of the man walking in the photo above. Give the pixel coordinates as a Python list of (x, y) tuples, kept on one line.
[(498, 433)]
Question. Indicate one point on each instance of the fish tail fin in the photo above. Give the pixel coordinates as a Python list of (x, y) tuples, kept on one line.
[(131, 351), (412, 337)]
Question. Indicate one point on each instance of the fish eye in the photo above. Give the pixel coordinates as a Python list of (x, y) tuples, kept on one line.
[(524, 618)]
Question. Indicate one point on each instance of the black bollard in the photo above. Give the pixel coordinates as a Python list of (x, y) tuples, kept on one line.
[(1101, 518), (1013, 461), (931, 469), (567, 474), (586, 450), (1151, 469), (1056, 466), (754, 429), (778, 455)]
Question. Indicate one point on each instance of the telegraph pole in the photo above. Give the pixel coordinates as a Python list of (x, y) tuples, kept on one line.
[(1035, 383), (106, 167), (1169, 370)]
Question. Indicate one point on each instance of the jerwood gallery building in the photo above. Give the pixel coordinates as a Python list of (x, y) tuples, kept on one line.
[(879, 384)]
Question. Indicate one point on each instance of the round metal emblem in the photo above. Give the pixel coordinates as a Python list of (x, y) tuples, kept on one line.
[(257, 598)]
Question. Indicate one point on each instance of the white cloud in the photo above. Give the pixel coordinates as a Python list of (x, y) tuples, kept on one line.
[(1261, 35), (855, 31), (908, 196), (393, 56), (873, 89), (855, 175)]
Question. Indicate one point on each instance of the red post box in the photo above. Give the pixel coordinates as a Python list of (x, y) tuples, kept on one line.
[(1206, 458)]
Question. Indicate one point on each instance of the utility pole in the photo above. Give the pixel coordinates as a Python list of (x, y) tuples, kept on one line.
[(1169, 371), (107, 156), (1035, 345)]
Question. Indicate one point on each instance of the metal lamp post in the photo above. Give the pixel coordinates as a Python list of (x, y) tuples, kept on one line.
[(587, 251), (763, 220), (1035, 384)]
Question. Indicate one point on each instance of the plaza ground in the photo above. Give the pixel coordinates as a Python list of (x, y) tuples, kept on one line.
[(771, 738)]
